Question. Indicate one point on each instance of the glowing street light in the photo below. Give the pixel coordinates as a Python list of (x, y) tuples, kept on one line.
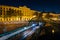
[(53, 31)]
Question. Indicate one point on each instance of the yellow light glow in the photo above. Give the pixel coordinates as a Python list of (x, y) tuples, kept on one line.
[(16, 18), (34, 16), (53, 31), (11, 19), (54, 18)]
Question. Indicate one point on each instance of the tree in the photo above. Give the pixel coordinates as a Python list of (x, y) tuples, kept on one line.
[(47, 15), (36, 13), (39, 15)]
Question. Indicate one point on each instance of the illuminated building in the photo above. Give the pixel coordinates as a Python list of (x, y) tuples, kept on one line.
[(23, 13), (54, 16), (27, 13), (18, 13)]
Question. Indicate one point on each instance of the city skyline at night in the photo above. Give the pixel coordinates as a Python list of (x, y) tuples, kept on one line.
[(29, 19)]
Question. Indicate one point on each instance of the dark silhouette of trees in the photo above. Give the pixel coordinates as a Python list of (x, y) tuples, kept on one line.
[(39, 16), (48, 16)]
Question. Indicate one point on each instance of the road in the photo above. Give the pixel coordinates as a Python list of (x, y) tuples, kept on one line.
[(24, 32)]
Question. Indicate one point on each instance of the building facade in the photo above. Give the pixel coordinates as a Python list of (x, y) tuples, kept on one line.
[(21, 13), (10, 13)]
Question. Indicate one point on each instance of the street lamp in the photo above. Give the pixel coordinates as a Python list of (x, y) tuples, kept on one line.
[(53, 31)]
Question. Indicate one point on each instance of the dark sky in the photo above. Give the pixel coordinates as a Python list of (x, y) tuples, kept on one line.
[(39, 5)]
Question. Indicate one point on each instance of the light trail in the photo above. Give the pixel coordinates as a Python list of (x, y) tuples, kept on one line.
[(19, 31), (14, 33), (27, 33)]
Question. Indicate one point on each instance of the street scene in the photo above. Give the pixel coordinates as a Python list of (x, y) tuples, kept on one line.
[(24, 23)]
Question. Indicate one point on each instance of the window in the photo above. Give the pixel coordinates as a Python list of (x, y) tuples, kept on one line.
[(0, 7), (9, 8), (0, 11), (4, 8)]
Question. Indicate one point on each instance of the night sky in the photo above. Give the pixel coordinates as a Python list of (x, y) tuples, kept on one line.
[(39, 5)]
